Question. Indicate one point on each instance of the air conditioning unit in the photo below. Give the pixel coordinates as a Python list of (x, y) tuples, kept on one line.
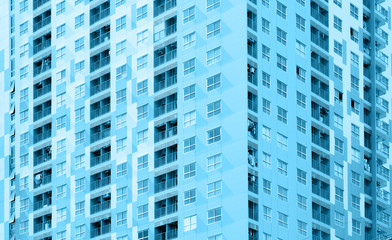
[(252, 69), (253, 178), (38, 179)]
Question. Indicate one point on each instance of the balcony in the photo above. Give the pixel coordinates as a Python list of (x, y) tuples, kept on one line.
[(42, 88), (165, 131), (99, 84), (100, 228), (165, 156), (382, 34), (384, 104), (166, 207), (166, 181), (165, 80), (318, 234), (382, 12), (100, 36), (42, 65), (161, 6), (165, 54), (320, 213), (42, 20), (253, 184), (383, 195), (252, 47), (42, 43), (43, 223), (165, 105), (320, 113), (383, 171), (320, 39), (252, 20), (42, 155), (382, 57), (100, 60), (252, 74), (42, 178), (320, 188), (383, 126), (100, 132), (100, 156), (167, 231), (100, 108), (320, 89), (384, 218), (252, 157), (39, 3), (383, 147), (100, 203), (99, 12), (252, 129), (100, 180), (42, 200), (42, 133), (319, 63), (320, 138), (252, 102), (42, 110), (170, 27), (383, 81), (319, 13)]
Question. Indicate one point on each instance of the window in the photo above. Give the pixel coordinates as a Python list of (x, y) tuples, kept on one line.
[(337, 23), (189, 66), (189, 40), (301, 48), (282, 88), (302, 2), (267, 187), (60, 122), (339, 194), (266, 3), (338, 48), (355, 178), (355, 106), (60, 99), (80, 231), (214, 189), (212, 4), (24, 138), (23, 6), (61, 235), (338, 170), (60, 168), (355, 155), (302, 228), (214, 162), (142, 211), (189, 170), (300, 23), (338, 3), (142, 136), (282, 193), (142, 162), (214, 135), (24, 71), (338, 72), (213, 29), (122, 217), (354, 83), (190, 223), (141, 13), (79, 208), (282, 220), (265, 26), (214, 215), (24, 204), (301, 176), (24, 227), (338, 97), (215, 237), (79, 161), (354, 35), (60, 8), (80, 184), (339, 145), (301, 202), (301, 125), (24, 160), (281, 62), (120, 47), (338, 121), (24, 49), (189, 92), (79, 114), (61, 76), (213, 56), (120, 23), (142, 87), (79, 66), (79, 21), (266, 160), (281, 36), (355, 202), (80, 91), (356, 226), (339, 219), (121, 193), (213, 108), (282, 141), (266, 106), (121, 121), (281, 10), (266, 53), (142, 112), (121, 96), (282, 167), (61, 191), (355, 131), (353, 11), (24, 94), (61, 145), (60, 31), (141, 62), (142, 235), (60, 53), (354, 59), (213, 82), (190, 196), (142, 37), (267, 213), (142, 186), (121, 72), (189, 118), (189, 14), (121, 169), (282, 115), (266, 79), (266, 133)]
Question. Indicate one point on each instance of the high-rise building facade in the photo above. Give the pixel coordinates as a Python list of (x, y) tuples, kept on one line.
[(195, 119)]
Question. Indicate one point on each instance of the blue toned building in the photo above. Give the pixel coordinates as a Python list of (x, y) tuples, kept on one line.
[(195, 119)]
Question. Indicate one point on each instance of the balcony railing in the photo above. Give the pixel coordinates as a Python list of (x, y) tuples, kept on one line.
[(162, 186), (100, 15), (99, 111), (382, 147), (40, 204), (99, 159), (252, 105), (382, 34), (42, 136), (39, 3), (100, 39), (384, 218), (100, 63), (320, 66), (324, 193), (323, 43), (170, 55), (165, 6), (380, 9), (42, 158), (382, 56), (100, 87), (95, 232), (383, 103), (383, 171), (382, 80), (169, 81), (322, 217), (45, 21), (43, 113), (160, 136), (320, 17), (171, 106), (383, 195), (169, 30), (319, 117), (99, 135), (100, 207), (99, 183), (41, 46), (171, 234), (324, 143), (169, 158), (383, 126), (45, 89), (38, 227), (323, 93), (163, 211)]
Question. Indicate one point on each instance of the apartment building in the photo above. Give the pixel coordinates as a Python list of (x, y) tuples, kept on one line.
[(195, 119)]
